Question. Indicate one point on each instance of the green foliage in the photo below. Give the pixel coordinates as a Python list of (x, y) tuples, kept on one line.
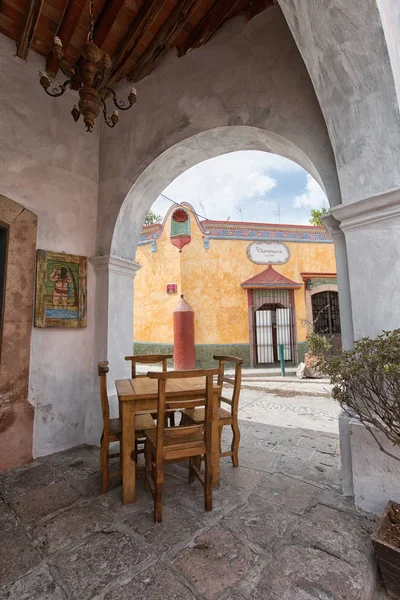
[(316, 214), (152, 218), (318, 345), (366, 380)]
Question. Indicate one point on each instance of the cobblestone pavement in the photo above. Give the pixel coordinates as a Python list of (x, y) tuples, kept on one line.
[(279, 530)]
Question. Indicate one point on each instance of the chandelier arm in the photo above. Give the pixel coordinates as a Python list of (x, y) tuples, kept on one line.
[(58, 89), (120, 104), (106, 118), (67, 72)]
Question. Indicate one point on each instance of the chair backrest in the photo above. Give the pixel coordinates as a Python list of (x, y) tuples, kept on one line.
[(236, 381), (163, 433), (147, 359), (103, 370)]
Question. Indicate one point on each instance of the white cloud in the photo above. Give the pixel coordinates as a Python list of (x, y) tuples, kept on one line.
[(312, 197), (224, 182)]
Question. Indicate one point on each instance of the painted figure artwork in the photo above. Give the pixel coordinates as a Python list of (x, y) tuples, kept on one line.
[(60, 290)]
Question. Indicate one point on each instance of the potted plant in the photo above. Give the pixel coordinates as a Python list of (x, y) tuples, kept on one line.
[(318, 346), (366, 382)]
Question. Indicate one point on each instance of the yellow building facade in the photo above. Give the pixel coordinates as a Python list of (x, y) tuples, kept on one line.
[(253, 287)]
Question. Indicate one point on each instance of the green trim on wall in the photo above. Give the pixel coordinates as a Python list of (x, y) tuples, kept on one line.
[(204, 352), (321, 281)]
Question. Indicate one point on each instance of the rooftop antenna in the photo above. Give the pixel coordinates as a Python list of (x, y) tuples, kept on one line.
[(239, 209), (203, 208), (278, 212)]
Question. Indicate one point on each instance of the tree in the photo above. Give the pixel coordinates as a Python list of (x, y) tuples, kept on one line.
[(152, 218), (316, 214)]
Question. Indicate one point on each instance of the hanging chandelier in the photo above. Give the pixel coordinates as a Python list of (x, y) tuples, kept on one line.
[(86, 77)]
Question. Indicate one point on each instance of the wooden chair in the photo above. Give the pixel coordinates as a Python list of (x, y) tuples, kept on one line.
[(112, 429), (151, 359), (225, 417), (179, 443)]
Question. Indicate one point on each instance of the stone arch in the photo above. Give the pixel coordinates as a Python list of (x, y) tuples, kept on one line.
[(184, 155), (348, 50), (245, 89)]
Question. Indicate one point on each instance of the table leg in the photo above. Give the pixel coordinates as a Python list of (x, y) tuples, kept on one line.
[(215, 444), (127, 447)]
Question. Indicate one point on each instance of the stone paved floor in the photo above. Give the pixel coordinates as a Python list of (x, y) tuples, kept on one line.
[(280, 530)]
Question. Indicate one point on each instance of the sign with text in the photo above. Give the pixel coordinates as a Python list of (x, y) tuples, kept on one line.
[(268, 253)]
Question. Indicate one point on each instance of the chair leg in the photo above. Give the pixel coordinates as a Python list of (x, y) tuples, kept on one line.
[(207, 483), (158, 494), (220, 439), (235, 444), (147, 458), (191, 474), (105, 475)]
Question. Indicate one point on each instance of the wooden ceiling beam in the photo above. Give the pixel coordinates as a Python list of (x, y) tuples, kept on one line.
[(106, 20), (147, 13), (28, 31), (258, 6), (69, 23), (163, 41), (208, 25)]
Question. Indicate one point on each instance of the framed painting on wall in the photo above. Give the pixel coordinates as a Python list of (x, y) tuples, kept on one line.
[(61, 290)]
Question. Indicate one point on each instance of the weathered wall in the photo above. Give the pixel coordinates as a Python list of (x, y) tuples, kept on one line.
[(210, 281), (49, 166), (348, 58), (235, 93), (16, 413)]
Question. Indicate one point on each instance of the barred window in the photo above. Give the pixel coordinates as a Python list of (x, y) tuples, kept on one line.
[(325, 311)]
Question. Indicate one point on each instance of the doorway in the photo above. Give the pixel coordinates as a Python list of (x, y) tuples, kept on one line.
[(274, 326)]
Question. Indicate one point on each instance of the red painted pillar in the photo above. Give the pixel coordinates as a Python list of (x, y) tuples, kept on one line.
[(184, 348)]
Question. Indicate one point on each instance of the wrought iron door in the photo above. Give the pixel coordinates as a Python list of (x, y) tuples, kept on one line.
[(274, 323), (326, 317)]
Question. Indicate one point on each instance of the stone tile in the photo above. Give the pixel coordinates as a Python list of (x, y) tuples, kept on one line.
[(261, 460), (244, 479), (90, 485), (176, 530), (75, 462), (261, 523), (292, 494), (335, 499), (322, 444), (311, 471), (337, 533), (299, 573), (215, 561), (37, 585), (157, 582), (293, 451), (44, 501), (17, 555), (21, 481), (96, 561), (331, 460), (7, 517), (69, 526)]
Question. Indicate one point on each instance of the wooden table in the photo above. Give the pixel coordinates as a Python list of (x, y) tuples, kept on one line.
[(141, 394)]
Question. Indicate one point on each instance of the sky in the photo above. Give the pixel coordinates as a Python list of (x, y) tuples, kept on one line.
[(249, 186)]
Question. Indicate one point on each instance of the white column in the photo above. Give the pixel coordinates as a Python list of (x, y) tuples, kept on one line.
[(345, 309), (114, 330), (347, 334)]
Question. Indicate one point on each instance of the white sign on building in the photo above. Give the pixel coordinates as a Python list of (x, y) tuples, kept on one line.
[(268, 253)]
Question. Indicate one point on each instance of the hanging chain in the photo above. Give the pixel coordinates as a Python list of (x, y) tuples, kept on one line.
[(91, 21)]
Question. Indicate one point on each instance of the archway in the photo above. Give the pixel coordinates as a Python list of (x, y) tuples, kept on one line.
[(116, 270)]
